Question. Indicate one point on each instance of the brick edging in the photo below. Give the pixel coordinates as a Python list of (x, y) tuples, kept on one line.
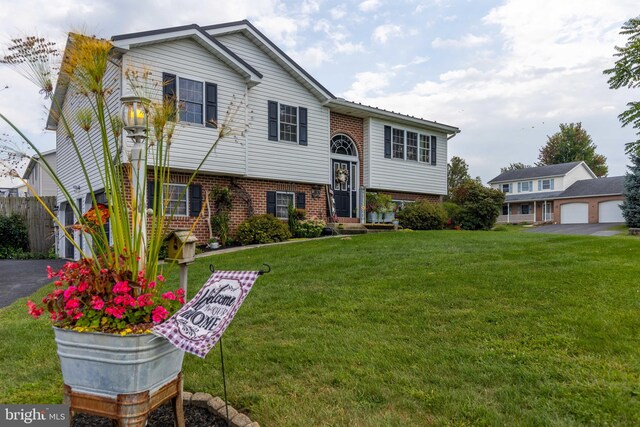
[(216, 406)]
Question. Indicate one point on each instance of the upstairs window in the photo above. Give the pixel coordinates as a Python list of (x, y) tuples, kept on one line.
[(545, 184), (506, 188), (196, 101), (412, 146), (425, 149), (398, 144), (525, 186), (287, 123)]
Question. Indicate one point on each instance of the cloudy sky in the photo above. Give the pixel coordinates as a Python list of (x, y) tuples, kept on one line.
[(506, 72)]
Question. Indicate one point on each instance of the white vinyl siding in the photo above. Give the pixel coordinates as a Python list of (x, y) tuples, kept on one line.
[(409, 176), (186, 59), (287, 161)]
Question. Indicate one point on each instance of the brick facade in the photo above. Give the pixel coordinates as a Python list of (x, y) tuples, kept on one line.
[(353, 127), (594, 208), (255, 189)]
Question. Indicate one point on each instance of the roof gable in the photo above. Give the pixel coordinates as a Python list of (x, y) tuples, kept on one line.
[(289, 65), (561, 169), (125, 42)]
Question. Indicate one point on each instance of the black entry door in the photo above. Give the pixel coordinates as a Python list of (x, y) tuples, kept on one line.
[(68, 222), (341, 171)]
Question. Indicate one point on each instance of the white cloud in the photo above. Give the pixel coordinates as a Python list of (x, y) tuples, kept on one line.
[(466, 41), (415, 61), (382, 33), (281, 30), (369, 5), (338, 12), (312, 57), (349, 48), (368, 84)]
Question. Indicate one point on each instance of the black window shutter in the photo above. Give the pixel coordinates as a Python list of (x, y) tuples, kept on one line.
[(302, 122), (211, 109), (169, 89), (300, 200), (195, 199), (273, 121), (150, 192), (434, 150), (387, 142), (271, 202)]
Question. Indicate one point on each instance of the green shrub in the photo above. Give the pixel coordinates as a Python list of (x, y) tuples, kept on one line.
[(454, 213), (309, 228), (262, 229), (480, 205), (423, 215), (220, 227), (14, 237)]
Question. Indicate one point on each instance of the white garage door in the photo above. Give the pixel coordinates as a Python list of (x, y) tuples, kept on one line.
[(574, 213), (610, 211)]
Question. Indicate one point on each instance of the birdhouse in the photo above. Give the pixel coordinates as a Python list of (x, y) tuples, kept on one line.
[(182, 246)]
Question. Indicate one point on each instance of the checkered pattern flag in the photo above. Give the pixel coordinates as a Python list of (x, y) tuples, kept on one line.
[(200, 323)]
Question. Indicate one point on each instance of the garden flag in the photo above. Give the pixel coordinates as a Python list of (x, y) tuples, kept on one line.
[(200, 323)]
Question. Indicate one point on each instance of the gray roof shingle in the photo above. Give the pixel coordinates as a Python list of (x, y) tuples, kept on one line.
[(536, 172), (595, 187), (530, 197)]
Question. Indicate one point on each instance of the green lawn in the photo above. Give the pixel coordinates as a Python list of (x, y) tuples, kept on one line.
[(409, 329)]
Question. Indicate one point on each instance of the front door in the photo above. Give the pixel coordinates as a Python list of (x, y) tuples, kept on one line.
[(341, 171)]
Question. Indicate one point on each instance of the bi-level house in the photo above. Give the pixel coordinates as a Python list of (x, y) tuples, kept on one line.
[(566, 193), (301, 140)]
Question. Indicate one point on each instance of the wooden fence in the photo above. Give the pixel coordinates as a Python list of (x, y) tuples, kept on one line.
[(39, 222)]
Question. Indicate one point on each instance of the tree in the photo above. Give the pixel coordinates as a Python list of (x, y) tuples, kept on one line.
[(626, 73), (571, 144), (631, 204), (457, 173), (480, 205), (514, 166)]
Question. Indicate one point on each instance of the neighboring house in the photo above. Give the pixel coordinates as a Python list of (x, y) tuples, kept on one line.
[(566, 193), (300, 141), (39, 180)]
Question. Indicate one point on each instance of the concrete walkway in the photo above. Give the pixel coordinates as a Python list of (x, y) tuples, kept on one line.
[(582, 229)]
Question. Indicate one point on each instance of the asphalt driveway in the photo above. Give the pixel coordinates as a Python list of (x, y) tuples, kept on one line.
[(584, 229), (22, 278)]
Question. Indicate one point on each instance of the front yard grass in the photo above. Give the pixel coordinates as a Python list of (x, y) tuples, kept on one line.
[(408, 329)]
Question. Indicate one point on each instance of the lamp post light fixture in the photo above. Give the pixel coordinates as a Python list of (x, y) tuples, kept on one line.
[(134, 121)]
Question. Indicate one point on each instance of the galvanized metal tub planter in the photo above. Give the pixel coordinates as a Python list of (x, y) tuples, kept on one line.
[(111, 364)]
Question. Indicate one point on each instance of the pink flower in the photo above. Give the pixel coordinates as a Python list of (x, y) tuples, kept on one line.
[(116, 312), (152, 285), (121, 288), (144, 300), (160, 278), (50, 273), (58, 292), (125, 300), (72, 303), (69, 292), (58, 283), (97, 303), (159, 314), (169, 295), (34, 311), (83, 286), (77, 315)]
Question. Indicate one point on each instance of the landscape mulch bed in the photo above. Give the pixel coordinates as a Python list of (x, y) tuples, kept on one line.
[(162, 417)]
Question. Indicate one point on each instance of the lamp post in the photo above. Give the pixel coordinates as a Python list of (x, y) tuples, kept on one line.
[(134, 121)]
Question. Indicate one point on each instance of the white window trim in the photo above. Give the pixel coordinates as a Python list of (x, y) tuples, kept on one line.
[(293, 201), (203, 100), (405, 146), (185, 198), (296, 142)]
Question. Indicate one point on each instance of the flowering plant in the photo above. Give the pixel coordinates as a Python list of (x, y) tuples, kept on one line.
[(114, 286), (111, 301)]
